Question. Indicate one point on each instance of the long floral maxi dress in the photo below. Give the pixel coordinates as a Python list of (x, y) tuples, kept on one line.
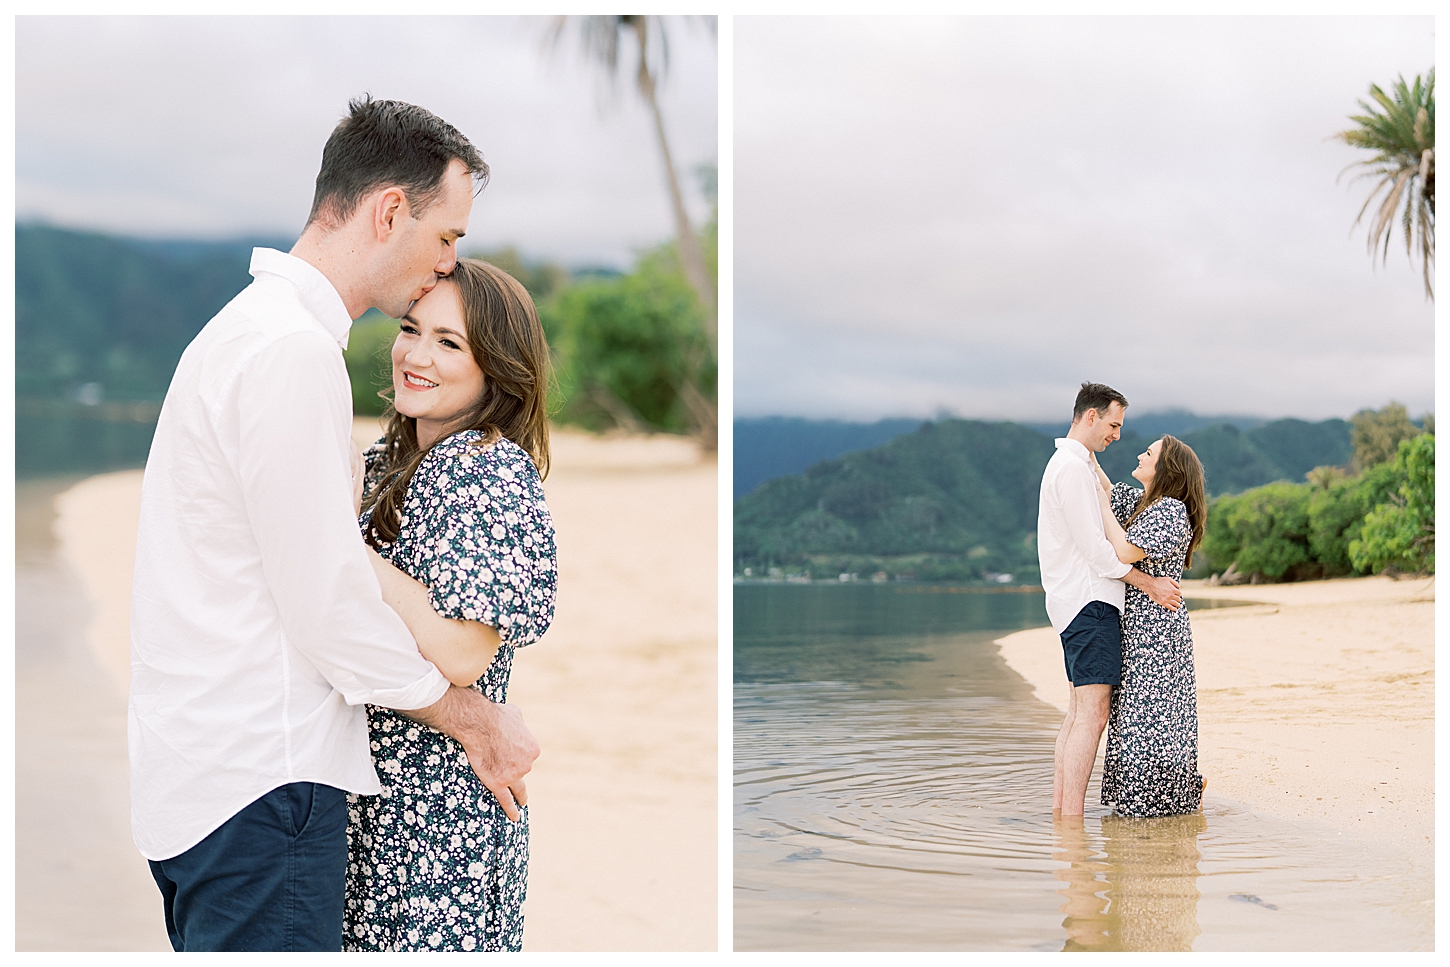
[(1151, 764), (433, 862)]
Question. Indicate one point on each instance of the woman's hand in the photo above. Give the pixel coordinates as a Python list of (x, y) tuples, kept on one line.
[(359, 471), (1106, 503), (1104, 484)]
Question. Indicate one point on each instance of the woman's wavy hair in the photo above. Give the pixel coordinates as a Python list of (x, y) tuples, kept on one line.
[(507, 342), (1179, 474)]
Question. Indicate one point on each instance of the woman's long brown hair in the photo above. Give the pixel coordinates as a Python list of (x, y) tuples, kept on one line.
[(1179, 474), (508, 344)]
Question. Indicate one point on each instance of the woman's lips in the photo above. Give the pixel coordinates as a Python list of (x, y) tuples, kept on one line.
[(414, 381)]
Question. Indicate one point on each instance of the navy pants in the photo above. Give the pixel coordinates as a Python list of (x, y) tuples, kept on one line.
[(270, 878)]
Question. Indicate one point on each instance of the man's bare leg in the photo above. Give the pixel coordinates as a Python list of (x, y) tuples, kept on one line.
[(1089, 705), (1058, 750)]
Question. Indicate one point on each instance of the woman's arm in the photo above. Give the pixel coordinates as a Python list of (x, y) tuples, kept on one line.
[(1127, 553), (462, 650), (1104, 484)]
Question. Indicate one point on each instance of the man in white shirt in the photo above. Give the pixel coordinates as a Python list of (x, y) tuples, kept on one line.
[(1084, 581), (258, 628)]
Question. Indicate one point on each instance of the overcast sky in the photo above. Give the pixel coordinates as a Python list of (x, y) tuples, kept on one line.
[(213, 127), (976, 214)]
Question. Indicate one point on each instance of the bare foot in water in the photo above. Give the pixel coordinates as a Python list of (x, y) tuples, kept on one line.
[(1202, 791)]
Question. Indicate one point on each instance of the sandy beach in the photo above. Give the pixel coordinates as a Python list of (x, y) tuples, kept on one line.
[(1316, 704), (621, 694)]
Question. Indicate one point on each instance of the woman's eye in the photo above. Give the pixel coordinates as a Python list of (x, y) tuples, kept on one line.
[(449, 343)]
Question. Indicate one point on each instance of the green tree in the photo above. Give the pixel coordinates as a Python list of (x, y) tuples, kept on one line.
[(370, 362), (601, 37), (1265, 530), (1376, 434), (1336, 514), (1400, 532), (624, 346), (1402, 137)]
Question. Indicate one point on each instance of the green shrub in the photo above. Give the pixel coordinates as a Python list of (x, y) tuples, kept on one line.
[(1265, 530), (1337, 512), (369, 361), (625, 346)]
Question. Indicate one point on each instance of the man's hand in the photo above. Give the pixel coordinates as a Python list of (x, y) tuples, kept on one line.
[(1163, 591), (503, 756), (500, 748)]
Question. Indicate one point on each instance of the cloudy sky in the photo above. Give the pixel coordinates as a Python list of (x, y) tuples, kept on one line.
[(212, 127), (973, 215)]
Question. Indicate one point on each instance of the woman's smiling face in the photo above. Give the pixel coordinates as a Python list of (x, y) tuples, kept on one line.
[(1148, 462), (435, 378)]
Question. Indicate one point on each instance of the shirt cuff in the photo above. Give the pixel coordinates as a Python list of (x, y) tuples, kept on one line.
[(421, 694)]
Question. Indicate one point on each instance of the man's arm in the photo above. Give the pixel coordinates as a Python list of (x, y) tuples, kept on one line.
[(294, 468), (500, 748), (1163, 591)]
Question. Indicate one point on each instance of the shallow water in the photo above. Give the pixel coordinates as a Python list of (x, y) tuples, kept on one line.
[(893, 791)]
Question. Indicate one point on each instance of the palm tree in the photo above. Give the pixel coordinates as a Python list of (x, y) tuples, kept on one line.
[(600, 37), (1403, 139)]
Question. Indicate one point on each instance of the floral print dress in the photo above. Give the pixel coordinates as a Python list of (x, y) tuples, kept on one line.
[(1151, 764), (433, 862)]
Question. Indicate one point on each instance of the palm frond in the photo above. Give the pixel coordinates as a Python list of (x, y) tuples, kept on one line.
[(1399, 127)]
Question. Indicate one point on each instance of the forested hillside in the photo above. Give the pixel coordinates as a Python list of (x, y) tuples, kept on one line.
[(958, 498)]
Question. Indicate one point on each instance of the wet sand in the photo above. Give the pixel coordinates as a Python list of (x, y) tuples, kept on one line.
[(1318, 704), (621, 694)]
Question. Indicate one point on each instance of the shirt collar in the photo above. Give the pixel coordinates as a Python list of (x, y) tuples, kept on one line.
[(319, 297), (1074, 448)]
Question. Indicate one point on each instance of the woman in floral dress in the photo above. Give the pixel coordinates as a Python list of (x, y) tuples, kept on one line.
[(1151, 764), (454, 502)]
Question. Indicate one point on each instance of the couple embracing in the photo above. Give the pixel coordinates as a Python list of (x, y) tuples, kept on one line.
[(322, 756), (1112, 556)]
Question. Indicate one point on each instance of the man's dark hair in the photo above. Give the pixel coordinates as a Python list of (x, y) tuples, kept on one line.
[(1096, 396), (388, 143)]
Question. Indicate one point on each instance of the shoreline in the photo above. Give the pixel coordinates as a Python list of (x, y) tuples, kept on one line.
[(1316, 703)]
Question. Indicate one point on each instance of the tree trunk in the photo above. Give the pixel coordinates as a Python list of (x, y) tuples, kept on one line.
[(692, 259)]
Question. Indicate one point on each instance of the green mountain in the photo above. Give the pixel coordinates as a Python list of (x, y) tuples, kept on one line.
[(958, 498), (774, 446), (110, 314)]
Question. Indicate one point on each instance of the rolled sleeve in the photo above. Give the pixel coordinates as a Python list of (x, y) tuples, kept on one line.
[(295, 472)]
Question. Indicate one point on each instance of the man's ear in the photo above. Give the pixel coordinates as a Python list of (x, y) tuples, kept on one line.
[(389, 208)]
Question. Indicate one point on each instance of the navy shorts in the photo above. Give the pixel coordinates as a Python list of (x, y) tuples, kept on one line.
[(1092, 646), (270, 878)]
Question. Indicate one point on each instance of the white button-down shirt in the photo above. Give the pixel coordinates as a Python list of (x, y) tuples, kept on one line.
[(258, 629), (1078, 563)]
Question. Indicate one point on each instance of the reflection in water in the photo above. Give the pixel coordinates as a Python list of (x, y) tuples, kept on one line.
[(1136, 888)]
